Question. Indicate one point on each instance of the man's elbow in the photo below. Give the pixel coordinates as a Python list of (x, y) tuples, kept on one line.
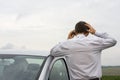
[(114, 42), (52, 52)]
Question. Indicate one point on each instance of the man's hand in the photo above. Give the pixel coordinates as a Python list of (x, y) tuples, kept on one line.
[(91, 29), (71, 34)]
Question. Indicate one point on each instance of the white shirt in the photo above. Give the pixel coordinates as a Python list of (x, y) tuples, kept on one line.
[(83, 54)]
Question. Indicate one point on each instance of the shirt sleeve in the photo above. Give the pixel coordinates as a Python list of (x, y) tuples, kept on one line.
[(106, 40), (56, 50), (53, 50)]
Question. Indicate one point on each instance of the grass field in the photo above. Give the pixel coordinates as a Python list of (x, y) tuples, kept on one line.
[(111, 73), (111, 78)]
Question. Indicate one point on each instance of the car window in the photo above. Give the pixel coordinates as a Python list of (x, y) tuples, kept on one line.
[(59, 71), (15, 67)]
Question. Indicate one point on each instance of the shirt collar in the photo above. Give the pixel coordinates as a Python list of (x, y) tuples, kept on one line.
[(80, 36)]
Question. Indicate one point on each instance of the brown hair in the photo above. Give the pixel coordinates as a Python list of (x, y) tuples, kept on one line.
[(80, 27)]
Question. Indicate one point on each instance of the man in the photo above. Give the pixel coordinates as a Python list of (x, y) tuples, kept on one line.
[(83, 52)]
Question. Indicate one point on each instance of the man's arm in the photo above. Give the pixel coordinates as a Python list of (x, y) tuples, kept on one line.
[(58, 50), (105, 40), (53, 51)]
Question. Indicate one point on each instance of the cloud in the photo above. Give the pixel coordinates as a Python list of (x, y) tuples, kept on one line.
[(59, 13), (8, 46), (12, 46)]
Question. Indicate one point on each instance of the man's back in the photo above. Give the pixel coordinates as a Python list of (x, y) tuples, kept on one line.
[(83, 56)]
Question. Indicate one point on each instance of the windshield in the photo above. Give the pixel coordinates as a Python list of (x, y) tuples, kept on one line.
[(17, 67)]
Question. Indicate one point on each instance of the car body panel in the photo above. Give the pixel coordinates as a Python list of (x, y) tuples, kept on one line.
[(48, 66)]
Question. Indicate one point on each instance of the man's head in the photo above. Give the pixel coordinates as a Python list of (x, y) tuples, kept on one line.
[(81, 27)]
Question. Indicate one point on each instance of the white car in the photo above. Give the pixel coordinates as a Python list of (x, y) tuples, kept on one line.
[(32, 65)]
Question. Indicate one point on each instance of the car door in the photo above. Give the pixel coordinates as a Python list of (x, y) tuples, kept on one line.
[(59, 70)]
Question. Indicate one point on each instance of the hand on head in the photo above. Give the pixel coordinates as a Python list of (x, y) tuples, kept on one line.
[(81, 28), (71, 34), (91, 29)]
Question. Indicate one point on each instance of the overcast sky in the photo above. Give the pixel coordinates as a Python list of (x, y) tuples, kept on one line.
[(40, 24)]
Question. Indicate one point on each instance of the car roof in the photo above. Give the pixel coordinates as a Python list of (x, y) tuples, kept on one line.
[(24, 52)]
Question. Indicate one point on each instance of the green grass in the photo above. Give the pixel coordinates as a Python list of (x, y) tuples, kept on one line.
[(111, 78), (111, 73)]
